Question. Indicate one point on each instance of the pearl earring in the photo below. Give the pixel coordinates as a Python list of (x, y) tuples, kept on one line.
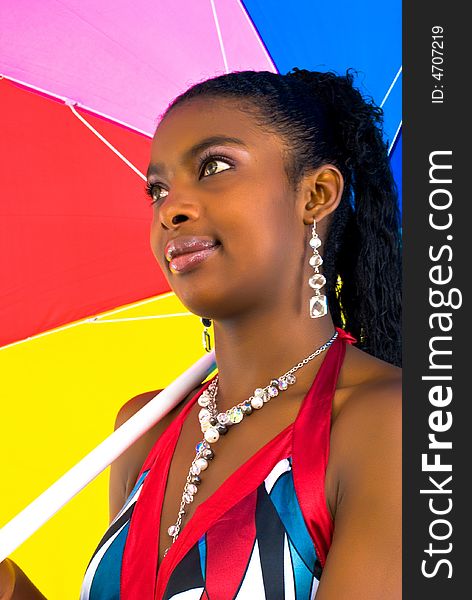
[(318, 302)]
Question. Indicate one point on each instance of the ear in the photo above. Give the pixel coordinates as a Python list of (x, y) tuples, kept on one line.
[(321, 192)]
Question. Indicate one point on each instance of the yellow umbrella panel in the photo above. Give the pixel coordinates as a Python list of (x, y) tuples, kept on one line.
[(60, 394)]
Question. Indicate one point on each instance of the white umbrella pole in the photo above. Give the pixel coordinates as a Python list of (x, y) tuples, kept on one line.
[(30, 519)]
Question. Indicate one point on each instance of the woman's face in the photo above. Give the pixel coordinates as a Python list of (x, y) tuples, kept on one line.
[(232, 194)]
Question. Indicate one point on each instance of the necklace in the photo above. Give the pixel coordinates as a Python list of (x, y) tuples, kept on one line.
[(214, 424)]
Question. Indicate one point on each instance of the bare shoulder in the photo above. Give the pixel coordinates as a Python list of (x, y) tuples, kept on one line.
[(367, 386), (125, 469), (367, 425), (364, 483), (132, 406), (136, 454)]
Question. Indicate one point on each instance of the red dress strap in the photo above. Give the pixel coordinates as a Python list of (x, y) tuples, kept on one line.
[(141, 552), (311, 437)]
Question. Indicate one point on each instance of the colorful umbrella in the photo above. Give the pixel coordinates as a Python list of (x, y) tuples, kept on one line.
[(86, 316)]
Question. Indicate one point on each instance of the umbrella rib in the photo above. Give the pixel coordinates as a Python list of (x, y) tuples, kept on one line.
[(64, 99), (87, 320), (185, 314), (395, 137), (105, 141), (135, 304), (391, 87), (258, 37), (220, 38)]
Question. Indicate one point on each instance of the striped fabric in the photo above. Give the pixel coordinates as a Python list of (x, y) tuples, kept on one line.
[(260, 549), (266, 552), (102, 577)]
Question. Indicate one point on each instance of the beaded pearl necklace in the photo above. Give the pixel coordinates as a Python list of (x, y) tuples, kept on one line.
[(214, 424)]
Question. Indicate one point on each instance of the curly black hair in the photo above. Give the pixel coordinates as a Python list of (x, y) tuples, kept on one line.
[(322, 118)]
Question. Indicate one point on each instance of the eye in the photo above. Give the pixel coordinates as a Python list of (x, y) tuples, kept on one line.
[(210, 164), (155, 192)]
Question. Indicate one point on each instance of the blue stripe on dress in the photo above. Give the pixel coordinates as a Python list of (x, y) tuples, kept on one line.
[(286, 504), (135, 489), (302, 576), (203, 551), (106, 583)]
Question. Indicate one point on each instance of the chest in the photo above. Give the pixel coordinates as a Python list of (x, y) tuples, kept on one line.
[(231, 452)]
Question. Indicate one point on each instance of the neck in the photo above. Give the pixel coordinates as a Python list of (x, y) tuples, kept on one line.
[(253, 349)]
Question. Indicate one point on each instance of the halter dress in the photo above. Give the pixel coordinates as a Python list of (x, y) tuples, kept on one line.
[(264, 534)]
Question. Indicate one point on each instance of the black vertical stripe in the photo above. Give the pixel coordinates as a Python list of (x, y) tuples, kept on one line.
[(118, 524), (270, 534), (123, 519), (187, 575)]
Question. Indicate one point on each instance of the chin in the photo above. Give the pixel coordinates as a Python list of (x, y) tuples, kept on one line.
[(200, 304)]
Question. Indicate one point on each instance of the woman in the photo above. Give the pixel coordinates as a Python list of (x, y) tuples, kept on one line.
[(275, 217)]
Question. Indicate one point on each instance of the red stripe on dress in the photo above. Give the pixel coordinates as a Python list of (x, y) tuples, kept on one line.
[(141, 552), (311, 438), (229, 546)]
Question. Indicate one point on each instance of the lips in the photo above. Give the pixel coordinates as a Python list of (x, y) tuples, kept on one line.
[(187, 251)]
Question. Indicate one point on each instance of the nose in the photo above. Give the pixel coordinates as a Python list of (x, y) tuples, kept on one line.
[(176, 208)]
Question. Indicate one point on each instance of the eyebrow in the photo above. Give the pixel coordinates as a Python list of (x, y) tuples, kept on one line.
[(159, 168)]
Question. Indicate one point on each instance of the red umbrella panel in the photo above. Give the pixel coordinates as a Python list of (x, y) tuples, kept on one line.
[(74, 217)]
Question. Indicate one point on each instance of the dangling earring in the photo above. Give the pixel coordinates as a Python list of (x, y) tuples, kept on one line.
[(205, 335), (318, 303)]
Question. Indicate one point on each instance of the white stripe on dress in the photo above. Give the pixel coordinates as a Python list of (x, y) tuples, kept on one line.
[(280, 468), (90, 573), (289, 583), (193, 594), (253, 584), (93, 566)]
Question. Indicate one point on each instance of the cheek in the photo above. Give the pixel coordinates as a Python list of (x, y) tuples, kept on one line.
[(266, 243), (274, 226), (156, 241)]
